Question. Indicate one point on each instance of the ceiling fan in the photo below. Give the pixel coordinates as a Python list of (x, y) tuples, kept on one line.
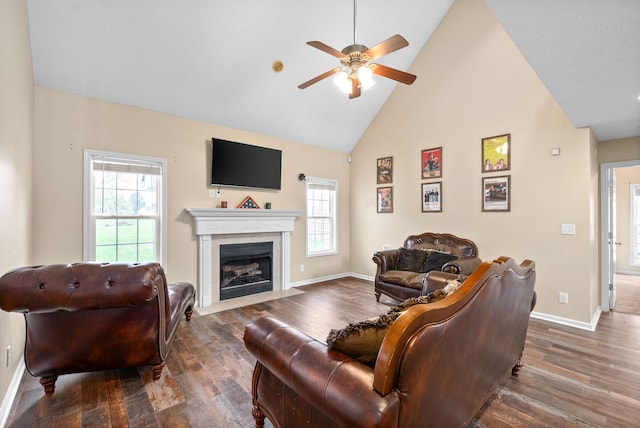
[(356, 70)]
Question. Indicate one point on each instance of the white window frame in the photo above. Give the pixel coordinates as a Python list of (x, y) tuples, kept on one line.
[(88, 202), (634, 223), (331, 185)]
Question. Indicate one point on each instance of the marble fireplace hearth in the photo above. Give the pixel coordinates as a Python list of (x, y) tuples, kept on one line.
[(220, 226)]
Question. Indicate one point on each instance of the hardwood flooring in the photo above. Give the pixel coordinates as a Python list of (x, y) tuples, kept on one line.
[(627, 294), (571, 377)]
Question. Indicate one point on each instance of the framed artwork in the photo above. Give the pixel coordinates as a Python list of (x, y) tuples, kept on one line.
[(384, 170), (432, 163), (432, 197), (496, 193), (496, 153), (385, 199)]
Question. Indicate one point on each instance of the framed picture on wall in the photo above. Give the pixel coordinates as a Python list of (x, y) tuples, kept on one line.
[(432, 197), (496, 153), (385, 199), (432, 163), (384, 170), (496, 193)]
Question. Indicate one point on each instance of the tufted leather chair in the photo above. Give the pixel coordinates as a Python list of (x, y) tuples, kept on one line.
[(86, 317)]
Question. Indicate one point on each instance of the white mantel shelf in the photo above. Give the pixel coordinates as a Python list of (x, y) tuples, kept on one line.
[(212, 224)]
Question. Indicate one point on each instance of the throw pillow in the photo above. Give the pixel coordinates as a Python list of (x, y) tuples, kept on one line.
[(434, 296), (362, 340), (435, 260), (410, 259)]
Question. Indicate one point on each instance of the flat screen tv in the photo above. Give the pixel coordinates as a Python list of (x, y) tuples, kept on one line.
[(244, 165)]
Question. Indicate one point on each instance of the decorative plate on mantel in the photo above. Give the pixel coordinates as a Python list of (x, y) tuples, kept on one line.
[(248, 202)]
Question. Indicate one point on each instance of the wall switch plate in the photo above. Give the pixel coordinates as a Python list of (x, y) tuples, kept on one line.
[(568, 229), (212, 193), (301, 268)]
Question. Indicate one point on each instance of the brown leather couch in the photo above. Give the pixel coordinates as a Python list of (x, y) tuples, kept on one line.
[(479, 331), (86, 317), (401, 284)]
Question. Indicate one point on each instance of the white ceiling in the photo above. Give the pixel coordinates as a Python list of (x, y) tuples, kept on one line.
[(210, 60)]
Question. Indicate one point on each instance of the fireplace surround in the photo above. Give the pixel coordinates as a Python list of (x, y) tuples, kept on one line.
[(223, 226)]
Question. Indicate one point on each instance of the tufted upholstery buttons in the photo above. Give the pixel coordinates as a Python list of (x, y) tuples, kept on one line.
[(110, 283), (41, 286)]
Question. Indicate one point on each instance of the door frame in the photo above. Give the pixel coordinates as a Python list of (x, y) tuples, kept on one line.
[(605, 169)]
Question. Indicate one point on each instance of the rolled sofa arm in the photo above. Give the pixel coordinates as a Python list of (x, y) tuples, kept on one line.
[(386, 260), (436, 280), (329, 380), (463, 265)]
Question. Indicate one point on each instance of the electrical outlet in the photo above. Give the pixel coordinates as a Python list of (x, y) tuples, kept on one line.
[(301, 268), (219, 194), (212, 193), (563, 297)]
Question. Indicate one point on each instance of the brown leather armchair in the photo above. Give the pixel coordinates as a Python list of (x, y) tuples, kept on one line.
[(402, 284), (437, 365), (89, 316)]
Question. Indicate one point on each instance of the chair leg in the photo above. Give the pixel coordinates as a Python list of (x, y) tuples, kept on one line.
[(188, 313), (49, 384), (377, 296), (515, 371), (157, 371), (258, 416)]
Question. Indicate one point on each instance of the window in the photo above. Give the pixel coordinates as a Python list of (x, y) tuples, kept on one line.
[(321, 216), (124, 208), (634, 202)]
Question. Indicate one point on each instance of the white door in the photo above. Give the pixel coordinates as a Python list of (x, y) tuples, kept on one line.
[(611, 234)]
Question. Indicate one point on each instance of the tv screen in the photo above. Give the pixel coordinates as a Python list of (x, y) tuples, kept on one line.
[(244, 165)]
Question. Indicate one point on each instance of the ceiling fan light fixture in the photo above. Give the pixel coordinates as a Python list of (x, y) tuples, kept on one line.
[(365, 75), (342, 81)]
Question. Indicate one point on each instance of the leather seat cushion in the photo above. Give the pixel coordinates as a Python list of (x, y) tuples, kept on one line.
[(404, 278)]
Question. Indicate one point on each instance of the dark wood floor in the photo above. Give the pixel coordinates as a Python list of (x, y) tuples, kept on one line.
[(571, 377)]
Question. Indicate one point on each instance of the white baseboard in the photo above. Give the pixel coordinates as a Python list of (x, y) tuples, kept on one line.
[(569, 322), (7, 402)]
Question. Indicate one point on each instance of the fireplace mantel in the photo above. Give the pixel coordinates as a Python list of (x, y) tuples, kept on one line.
[(212, 225)]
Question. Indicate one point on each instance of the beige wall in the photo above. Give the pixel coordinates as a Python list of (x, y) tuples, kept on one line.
[(67, 124), (472, 83), (619, 150), (16, 139), (624, 178)]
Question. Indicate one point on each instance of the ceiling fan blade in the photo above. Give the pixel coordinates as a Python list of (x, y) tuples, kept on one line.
[(392, 44), (318, 78), (355, 89), (392, 73), (326, 48)]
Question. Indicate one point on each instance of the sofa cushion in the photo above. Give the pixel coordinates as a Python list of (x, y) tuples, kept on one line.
[(400, 277), (411, 259), (362, 340), (435, 260)]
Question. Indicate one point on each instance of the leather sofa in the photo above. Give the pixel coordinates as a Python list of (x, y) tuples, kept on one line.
[(86, 317), (479, 332), (401, 283)]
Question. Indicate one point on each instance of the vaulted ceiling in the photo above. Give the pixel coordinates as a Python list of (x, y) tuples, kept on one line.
[(211, 60)]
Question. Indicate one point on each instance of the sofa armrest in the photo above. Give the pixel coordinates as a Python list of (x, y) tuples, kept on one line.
[(385, 261), (463, 265), (436, 280), (328, 380)]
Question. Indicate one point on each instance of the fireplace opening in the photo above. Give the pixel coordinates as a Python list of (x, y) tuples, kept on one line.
[(245, 269)]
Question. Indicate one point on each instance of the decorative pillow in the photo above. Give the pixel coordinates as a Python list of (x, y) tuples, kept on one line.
[(362, 340), (434, 296), (410, 259), (435, 260)]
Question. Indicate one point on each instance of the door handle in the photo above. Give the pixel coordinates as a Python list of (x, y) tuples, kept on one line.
[(618, 243)]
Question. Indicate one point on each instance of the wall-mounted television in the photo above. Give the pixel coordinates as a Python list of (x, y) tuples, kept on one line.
[(244, 165)]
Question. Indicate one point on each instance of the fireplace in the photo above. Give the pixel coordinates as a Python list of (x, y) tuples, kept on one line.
[(217, 227), (245, 269)]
